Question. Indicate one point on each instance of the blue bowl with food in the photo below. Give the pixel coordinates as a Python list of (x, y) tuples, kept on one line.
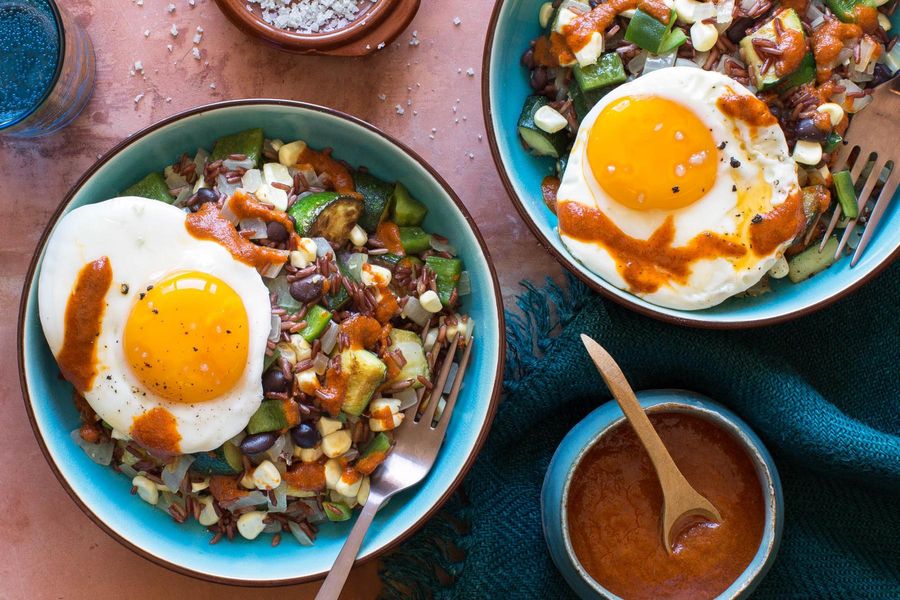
[(678, 156), (224, 322), (601, 504)]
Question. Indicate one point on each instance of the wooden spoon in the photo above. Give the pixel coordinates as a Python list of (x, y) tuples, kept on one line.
[(681, 502)]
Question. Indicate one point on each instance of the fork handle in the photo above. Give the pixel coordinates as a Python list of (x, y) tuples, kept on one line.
[(337, 577)]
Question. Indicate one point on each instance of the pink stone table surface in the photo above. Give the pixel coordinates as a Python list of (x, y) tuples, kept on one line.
[(49, 548)]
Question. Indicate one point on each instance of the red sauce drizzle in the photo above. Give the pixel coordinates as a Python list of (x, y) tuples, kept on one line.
[(157, 430), (828, 41), (306, 476), (322, 162), (209, 224), (747, 108), (782, 223), (389, 234), (578, 32), (614, 504), (549, 188), (77, 358)]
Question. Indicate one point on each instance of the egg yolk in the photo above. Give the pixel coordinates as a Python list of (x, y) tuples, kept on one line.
[(652, 153), (187, 337)]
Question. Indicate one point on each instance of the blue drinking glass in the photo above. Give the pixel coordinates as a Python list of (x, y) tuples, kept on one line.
[(46, 68)]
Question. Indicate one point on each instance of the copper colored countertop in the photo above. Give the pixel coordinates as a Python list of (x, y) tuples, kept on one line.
[(50, 549)]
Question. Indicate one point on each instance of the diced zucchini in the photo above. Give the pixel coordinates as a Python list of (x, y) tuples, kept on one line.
[(407, 211), (672, 41), (831, 142), (447, 271), (326, 214), (374, 454), (607, 71), (377, 199), (811, 261), (336, 298), (365, 373), (248, 143), (268, 417), (770, 79), (845, 10), (414, 240), (410, 344), (540, 142), (647, 32), (317, 319), (152, 186), (336, 511), (846, 194), (224, 460), (583, 102)]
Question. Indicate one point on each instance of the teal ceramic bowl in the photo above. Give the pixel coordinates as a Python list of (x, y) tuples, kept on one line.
[(513, 25), (586, 433), (105, 496)]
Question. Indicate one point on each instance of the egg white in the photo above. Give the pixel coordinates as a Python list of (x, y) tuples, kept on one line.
[(145, 241), (764, 157)]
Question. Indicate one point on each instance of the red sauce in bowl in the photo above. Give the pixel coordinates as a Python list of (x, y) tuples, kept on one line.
[(614, 508)]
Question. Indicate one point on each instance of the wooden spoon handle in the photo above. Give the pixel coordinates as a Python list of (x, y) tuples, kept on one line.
[(666, 469)]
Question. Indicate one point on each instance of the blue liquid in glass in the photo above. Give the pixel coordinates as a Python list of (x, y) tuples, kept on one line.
[(29, 54)]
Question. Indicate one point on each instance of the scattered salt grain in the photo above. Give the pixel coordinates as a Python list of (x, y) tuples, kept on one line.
[(174, 30), (212, 86), (382, 97), (409, 102), (168, 98), (192, 3), (170, 8), (138, 65), (169, 47), (399, 109), (457, 21), (197, 37), (415, 38), (138, 98), (479, 137), (470, 72), (380, 46), (195, 51), (146, 33), (471, 155), (140, 2)]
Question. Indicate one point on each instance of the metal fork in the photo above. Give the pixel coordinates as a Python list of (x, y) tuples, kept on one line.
[(416, 444), (875, 130)]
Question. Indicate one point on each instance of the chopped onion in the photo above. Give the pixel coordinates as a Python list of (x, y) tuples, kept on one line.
[(99, 453), (705, 10), (231, 165), (167, 499), (814, 15), (636, 64), (686, 62), (275, 328), (254, 498), (174, 180), (200, 160), (323, 247), (320, 363), (275, 450), (354, 265), (226, 188), (442, 245), (464, 285), (257, 226), (655, 63), (860, 76), (183, 195), (272, 527), (274, 268), (329, 338), (299, 534), (724, 12), (315, 515), (407, 398), (282, 290), (892, 59), (867, 50), (415, 313), (251, 180), (850, 105), (128, 471), (280, 499), (700, 58), (174, 472)]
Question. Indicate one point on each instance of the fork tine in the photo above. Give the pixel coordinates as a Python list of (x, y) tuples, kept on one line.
[(842, 157), (884, 199), (441, 427), (831, 225), (435, 396), (874, 175), (861, 160)]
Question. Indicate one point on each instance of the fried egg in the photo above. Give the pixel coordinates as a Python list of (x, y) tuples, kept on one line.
[(680, 189), (162, 333)]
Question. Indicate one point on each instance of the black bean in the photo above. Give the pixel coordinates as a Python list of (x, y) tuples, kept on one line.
[(305, 435), (203, 196), (539, 78), (277, 232), (274, 381), (882, 74), (528, 58), (258, 442), (308, 289), (806, 129), (738, 29)]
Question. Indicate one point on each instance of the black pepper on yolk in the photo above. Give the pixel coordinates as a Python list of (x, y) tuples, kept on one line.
[(187, 337)]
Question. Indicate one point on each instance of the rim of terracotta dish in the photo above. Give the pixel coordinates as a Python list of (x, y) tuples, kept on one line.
[(253, 23), (766, 480), (573, 268), (27, 288)]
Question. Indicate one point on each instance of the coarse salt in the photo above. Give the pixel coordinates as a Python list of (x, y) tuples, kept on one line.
[(170, 8), (457, 21), (308, 16), (195, 51), (174, 30)]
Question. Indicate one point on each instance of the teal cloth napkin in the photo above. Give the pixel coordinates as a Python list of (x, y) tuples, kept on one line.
[(823, 392)]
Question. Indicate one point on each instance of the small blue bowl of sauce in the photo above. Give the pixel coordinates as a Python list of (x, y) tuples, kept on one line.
[(601, 504)]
